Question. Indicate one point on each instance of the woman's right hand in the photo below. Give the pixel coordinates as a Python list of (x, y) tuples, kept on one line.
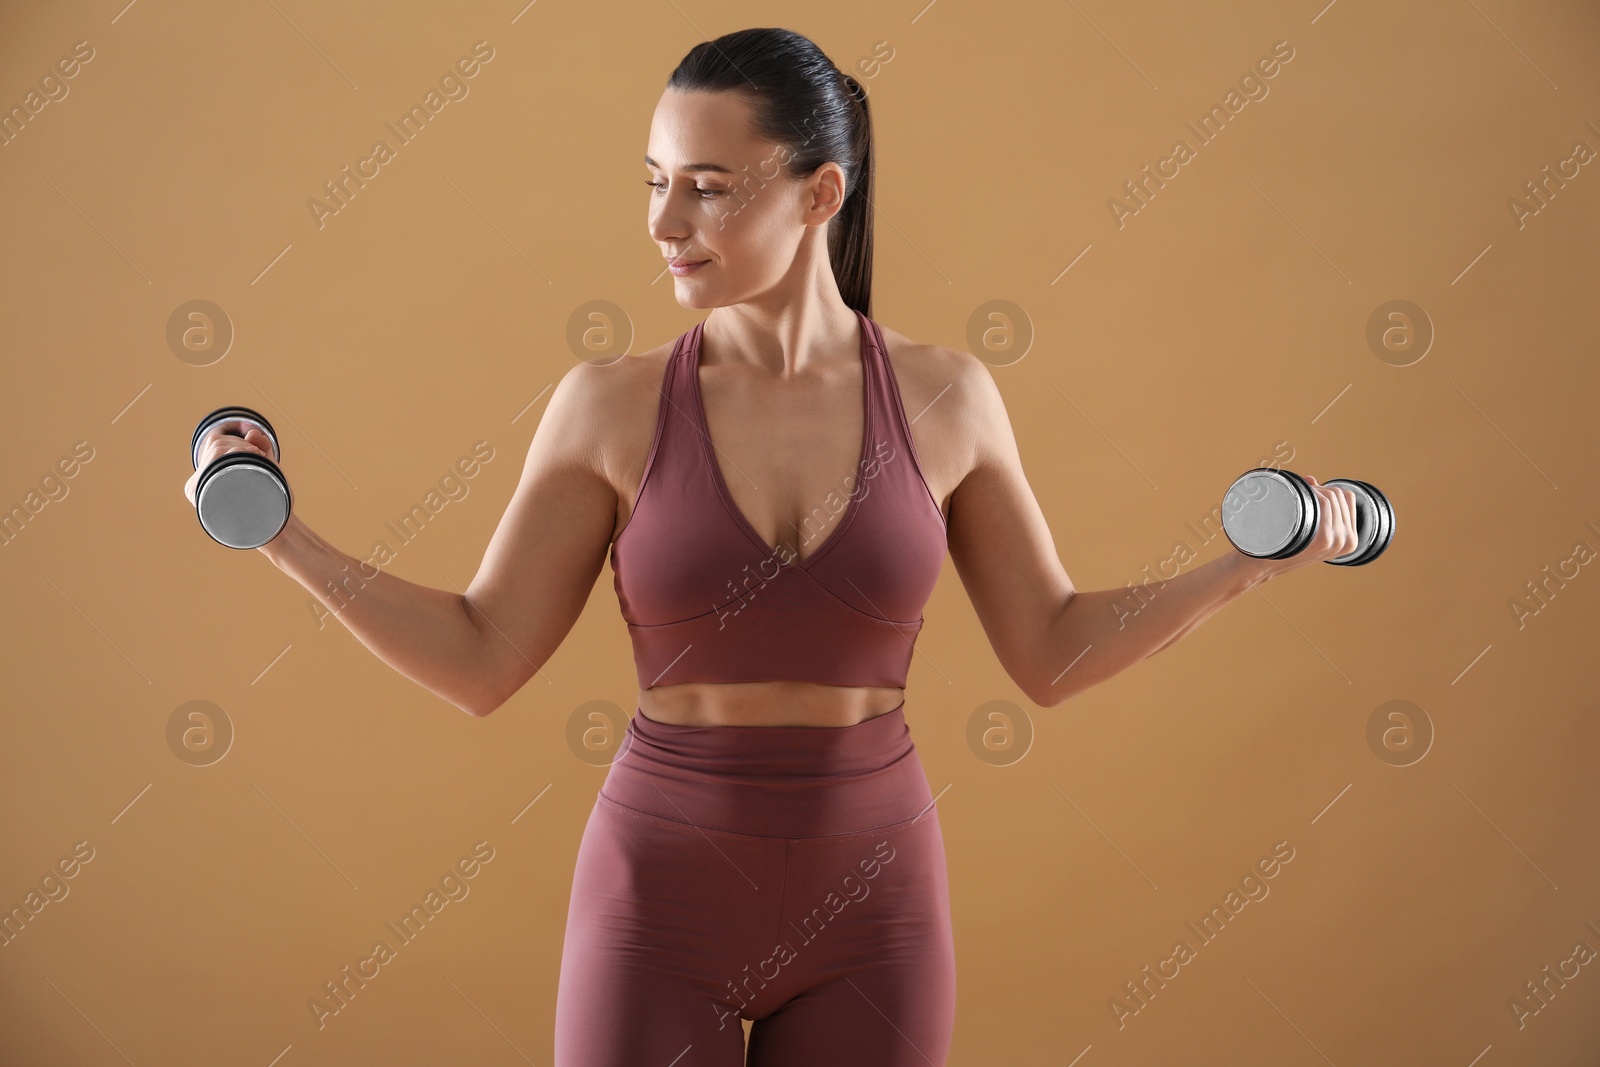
[(222, 439), (1336, 533)]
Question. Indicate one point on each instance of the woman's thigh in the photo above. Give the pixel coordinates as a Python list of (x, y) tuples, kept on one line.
[(866, 951), (662, 919)]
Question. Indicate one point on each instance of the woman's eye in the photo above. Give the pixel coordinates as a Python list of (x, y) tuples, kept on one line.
[(662, 185)]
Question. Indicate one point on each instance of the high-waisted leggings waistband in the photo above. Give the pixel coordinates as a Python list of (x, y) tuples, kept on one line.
[(772, 781)]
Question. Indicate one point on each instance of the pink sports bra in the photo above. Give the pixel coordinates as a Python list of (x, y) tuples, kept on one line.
[(707, 600)]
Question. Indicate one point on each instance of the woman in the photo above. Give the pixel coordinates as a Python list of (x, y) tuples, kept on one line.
[(765, 846)]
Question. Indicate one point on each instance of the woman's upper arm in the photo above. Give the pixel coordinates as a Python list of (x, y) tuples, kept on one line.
[(544, 557), (998, 537)]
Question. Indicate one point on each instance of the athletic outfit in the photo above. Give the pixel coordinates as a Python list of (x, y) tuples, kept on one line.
[(789, 875)]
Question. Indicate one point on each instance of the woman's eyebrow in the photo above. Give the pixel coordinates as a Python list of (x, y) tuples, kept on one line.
[(691, 167)]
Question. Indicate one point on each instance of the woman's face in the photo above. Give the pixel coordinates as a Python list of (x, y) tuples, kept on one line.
[(719, 199)]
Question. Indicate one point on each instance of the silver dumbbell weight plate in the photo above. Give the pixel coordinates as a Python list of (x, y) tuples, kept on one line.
[(1269, 514)]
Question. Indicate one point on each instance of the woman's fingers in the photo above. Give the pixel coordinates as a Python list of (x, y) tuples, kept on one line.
[(219, 442), (1351, 537), (1338, 533), (222, 443)]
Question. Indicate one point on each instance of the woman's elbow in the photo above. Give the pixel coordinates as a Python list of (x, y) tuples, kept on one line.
[(482, 705), (1050, 695)]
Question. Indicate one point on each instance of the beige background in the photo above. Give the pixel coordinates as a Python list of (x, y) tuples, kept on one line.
[(433, 311)]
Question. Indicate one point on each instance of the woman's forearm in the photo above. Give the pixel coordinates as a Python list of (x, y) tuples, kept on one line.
[(1102, 632), (425, 634)]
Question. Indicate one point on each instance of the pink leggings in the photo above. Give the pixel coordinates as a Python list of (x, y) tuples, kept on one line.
[(790, 875)]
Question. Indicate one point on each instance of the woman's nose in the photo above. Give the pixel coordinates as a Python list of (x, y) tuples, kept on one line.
[(666, 225)]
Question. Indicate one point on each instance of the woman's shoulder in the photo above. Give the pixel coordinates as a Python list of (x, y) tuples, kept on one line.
[(608, 409), (925, 371), (609, 387), (940, 357), (954, 402)]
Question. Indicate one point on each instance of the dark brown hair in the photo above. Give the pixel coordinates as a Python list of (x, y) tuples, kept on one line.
[(818, 113)]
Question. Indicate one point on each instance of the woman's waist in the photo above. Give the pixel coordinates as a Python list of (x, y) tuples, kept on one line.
[(767, 703), (772, 781)]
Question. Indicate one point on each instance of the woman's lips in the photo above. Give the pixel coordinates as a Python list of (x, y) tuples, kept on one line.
[(687, 268)]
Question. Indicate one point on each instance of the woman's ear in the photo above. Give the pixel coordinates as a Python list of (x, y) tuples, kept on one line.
[(826, 187)]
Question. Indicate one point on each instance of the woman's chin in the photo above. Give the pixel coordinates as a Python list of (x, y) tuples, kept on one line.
[(693, 298)]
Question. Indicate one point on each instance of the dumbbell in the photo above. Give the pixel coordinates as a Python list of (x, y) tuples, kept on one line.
[(1273, 514), (242, 498)]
